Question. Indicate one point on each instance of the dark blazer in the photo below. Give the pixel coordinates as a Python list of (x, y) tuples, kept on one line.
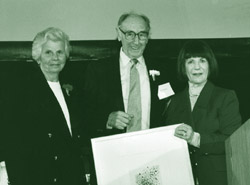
[(2, 80), (6, 80), (103, 94), (40, 148), (215, 116)]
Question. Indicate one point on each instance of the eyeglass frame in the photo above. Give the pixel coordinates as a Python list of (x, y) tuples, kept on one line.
[(138, 34)]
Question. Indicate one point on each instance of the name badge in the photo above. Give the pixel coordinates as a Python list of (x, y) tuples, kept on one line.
[(165, 90)]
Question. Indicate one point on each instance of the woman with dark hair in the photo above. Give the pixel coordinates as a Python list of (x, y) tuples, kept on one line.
[(209, 114), (44, 138)]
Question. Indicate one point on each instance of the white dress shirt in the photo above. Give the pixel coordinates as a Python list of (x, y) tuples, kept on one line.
[(56, 88), (125, 66)]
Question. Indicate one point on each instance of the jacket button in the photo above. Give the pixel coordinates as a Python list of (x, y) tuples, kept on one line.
[(78, 136), (55, 157), (196, 164), (206, 153), (50, 135), (55, 179)]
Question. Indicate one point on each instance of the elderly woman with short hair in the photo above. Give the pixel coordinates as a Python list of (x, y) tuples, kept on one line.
[(45, 146), (209, 114)]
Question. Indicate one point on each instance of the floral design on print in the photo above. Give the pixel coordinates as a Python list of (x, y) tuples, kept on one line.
[(149, 176)]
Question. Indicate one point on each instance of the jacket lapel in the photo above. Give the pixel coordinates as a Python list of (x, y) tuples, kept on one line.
[(71, 116), (186, 108), (116, 85), (200, 108), (157, 105), (50, 105)]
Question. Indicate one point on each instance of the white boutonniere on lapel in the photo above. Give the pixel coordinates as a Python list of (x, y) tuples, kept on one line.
[(68, 88), (154, 73)]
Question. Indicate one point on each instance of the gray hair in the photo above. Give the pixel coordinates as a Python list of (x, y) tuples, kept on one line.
[(124, 16), (54, 34)]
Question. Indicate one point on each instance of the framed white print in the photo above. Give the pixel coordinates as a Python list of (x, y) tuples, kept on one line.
[(154, 157)]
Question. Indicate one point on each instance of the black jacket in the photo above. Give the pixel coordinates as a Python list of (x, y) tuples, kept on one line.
[(40, 149), (215, 117)]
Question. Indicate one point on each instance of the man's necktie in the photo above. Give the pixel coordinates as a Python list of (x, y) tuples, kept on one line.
[(134, 99)]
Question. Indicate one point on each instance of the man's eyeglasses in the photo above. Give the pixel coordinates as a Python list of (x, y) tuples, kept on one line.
[(130, 35)]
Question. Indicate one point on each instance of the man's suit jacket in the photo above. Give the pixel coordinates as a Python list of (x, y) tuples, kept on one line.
[(215, 116), (103, 95), (40, 148)]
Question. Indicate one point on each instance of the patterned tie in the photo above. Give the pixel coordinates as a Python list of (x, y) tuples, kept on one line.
[(134, 99)]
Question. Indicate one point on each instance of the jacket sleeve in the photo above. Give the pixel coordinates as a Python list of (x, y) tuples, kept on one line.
[(229, 119), (90, 93)]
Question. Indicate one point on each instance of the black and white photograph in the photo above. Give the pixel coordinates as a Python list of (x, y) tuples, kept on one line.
[(87, 88)]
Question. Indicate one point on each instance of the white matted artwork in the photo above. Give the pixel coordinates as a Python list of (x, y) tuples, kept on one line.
[(148, 157), (3, 174)]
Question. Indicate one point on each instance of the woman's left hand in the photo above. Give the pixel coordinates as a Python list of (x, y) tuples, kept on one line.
[(184, 131)]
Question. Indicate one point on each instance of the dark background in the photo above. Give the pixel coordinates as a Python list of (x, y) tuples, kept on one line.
[(233, 56)]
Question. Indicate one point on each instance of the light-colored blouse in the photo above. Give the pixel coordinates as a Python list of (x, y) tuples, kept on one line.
[(194, 92)]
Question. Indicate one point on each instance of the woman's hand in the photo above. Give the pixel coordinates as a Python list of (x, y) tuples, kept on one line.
[(184, 131)]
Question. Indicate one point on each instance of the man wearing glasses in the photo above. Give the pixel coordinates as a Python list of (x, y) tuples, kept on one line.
[(120, 94)]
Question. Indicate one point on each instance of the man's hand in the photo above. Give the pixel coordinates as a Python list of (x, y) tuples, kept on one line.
[(119, 120)]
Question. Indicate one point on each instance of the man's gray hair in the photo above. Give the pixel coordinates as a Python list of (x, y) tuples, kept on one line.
[(124, 16)]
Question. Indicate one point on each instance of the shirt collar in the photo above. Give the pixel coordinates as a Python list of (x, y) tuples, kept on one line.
[(195, 89), (124, 59)]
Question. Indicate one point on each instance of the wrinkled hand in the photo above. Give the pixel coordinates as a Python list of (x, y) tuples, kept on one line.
[(119, 120), (184, 131)]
